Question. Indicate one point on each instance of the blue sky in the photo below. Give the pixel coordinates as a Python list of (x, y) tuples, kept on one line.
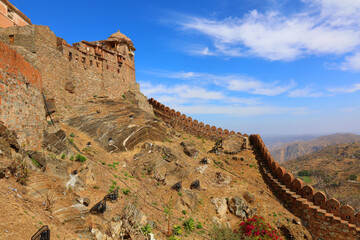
[(269, 67)]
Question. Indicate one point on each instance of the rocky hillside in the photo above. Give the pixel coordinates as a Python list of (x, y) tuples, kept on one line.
[(296, 149), (109, 170), (335, 170)]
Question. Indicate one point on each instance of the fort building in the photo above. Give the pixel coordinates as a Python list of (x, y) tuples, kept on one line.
[(11, 16)]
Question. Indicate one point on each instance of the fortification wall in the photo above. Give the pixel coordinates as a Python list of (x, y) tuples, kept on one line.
[(325, 219), (70, 81), (21, 104), (187, 124)]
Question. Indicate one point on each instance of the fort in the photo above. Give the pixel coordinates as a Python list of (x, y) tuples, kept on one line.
[(41, 74)]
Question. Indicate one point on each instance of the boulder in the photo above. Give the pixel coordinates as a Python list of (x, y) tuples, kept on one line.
[(220, 206), (39, 158), (233, 144), (239, 208), (189, 200), (195, 185), (189, 149), (249, 197), (204, 161), (177, 186), (99, 208), (113, 196), (222, 179)]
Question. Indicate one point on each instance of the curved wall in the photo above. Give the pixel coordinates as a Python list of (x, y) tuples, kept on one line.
[(324, 218)]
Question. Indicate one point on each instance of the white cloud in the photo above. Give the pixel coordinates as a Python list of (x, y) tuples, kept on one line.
[(233, 82), (240, 111), (351, 89), (327, 27), (304, 92), (351, 63)]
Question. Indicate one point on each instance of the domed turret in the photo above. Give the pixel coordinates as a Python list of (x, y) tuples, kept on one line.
[(118, 36)]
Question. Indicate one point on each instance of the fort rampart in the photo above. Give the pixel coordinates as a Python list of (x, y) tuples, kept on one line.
[(323, 217), (187, 124), (21, 104)]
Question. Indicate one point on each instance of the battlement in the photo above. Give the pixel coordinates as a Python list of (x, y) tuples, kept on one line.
[(187, 124), (325, 219)]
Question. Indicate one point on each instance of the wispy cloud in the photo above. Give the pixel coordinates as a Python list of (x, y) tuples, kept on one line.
[(233, 82), (241, 111), (350, 89), (304, 93), (325, 27)]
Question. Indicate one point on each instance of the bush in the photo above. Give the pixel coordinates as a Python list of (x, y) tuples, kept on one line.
[(177, 230), (63, 156), (251, 229), (146, 230), (80, 158), (223, 233), (126, 191), (189, 225), (304, 173), (256, 228), (353, 177)]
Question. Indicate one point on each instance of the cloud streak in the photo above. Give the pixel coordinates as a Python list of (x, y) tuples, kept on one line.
[(326, 27)]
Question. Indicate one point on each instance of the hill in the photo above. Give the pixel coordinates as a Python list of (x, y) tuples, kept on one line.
[(335, 170), (296, 149)]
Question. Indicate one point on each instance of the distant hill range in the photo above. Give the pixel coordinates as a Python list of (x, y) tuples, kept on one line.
[(300, 148), (334, 169)]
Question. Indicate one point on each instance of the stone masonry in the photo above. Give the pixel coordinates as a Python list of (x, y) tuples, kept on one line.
[(21, 104)]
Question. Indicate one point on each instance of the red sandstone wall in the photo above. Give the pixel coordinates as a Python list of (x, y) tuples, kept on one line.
[(21, 104), (325, 219), (17, 19)]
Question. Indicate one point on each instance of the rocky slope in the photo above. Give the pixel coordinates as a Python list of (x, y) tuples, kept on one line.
[(296, 149), (109, 169), (334, 170)]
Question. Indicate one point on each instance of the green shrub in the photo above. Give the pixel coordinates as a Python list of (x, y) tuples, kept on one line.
[(72, 135), (177, 230), (80, 158), (126, 191), (189, 225), (304, 173), (63, 156), (353, 177), (146, 230), (72, 158), (199, 225), (174, 237)]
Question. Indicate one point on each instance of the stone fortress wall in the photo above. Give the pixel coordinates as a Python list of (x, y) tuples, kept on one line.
[(73, 74), (21, 104), (187, 124), (325, 219)]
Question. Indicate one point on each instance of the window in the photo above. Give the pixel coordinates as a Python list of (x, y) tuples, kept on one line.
[(97, 64), (11, 39), (10, 13), (83, 60), (118, 70), (70, 56), (90, 62), (107, 67)]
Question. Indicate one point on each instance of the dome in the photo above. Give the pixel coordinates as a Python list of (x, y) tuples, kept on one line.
[(120, 37)]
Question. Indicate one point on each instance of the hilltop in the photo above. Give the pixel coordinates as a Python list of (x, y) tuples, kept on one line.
[(296, 149), (334, 169)]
